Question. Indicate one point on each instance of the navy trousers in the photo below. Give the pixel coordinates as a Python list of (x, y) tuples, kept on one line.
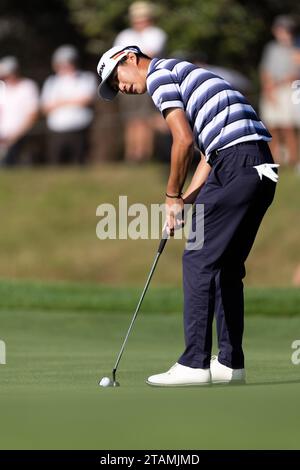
[(235, 201)]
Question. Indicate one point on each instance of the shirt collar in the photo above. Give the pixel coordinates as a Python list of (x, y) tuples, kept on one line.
[(152, 66)]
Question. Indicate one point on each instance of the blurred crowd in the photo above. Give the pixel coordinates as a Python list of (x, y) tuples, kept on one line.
[(66, 100), (280, 83)]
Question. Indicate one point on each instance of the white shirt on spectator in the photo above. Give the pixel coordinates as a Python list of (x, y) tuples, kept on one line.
[(151, 40), (278, 60), (20, 100), (69, 117)]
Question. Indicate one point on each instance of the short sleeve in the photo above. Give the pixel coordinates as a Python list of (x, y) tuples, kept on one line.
[(32, 96), (88, 86), (164, 90), (154, 41), (47, 91)]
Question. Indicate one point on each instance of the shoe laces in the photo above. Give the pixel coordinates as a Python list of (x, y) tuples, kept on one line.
[(213, 358)]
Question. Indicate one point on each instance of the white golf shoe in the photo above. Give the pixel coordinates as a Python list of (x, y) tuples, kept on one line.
[(221, 374), (180, 376)]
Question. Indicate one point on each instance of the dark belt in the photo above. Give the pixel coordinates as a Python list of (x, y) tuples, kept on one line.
[(215, 154)]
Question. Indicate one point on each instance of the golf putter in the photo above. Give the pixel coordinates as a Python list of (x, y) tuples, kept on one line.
[(106, 381)]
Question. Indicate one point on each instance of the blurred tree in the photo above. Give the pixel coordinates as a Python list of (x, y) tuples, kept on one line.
[(226, 32), (229, 33), (31, 30)]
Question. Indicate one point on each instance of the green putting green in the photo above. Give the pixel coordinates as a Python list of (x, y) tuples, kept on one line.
[(50, 398)]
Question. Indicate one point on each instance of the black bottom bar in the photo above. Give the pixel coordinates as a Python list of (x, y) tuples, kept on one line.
[(134, 458)]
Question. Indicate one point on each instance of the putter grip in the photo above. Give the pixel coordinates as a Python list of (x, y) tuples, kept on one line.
[(163, 242)]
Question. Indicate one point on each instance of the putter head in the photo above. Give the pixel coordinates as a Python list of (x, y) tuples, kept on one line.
[(107, 382), (115, 383)]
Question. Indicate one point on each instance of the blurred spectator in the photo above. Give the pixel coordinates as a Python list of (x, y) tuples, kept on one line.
[(143, 33), (139, 115), (18, 111), (279, 69), (67, 99)]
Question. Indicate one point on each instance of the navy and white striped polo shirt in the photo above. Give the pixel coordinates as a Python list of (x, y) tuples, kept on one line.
[(218, 115)]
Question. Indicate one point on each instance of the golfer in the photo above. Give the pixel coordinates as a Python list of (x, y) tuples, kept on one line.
[(234, 181)]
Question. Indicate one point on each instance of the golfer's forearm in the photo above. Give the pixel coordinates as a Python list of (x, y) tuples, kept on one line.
[(181, 156), (200, 176)]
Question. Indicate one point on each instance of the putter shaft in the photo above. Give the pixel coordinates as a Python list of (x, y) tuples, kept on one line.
[(159, 252)]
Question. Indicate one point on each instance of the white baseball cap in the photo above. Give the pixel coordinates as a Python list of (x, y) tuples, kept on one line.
[(106, 66), (65, 54), (142, 10), (8, 65)]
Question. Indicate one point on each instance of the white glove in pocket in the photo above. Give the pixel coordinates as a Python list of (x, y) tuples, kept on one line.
[(266, 169)]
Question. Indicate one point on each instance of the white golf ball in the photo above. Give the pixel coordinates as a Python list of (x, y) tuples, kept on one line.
[(104, 382)]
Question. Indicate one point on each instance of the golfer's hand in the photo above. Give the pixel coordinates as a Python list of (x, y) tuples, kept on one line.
[(174, 215)]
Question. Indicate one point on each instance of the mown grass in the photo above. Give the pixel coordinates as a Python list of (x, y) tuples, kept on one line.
[(50, 398), (48, 227), (67, 296), (62, 336)]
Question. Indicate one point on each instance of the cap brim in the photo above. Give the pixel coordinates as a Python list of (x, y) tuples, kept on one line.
[(105, 91)]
